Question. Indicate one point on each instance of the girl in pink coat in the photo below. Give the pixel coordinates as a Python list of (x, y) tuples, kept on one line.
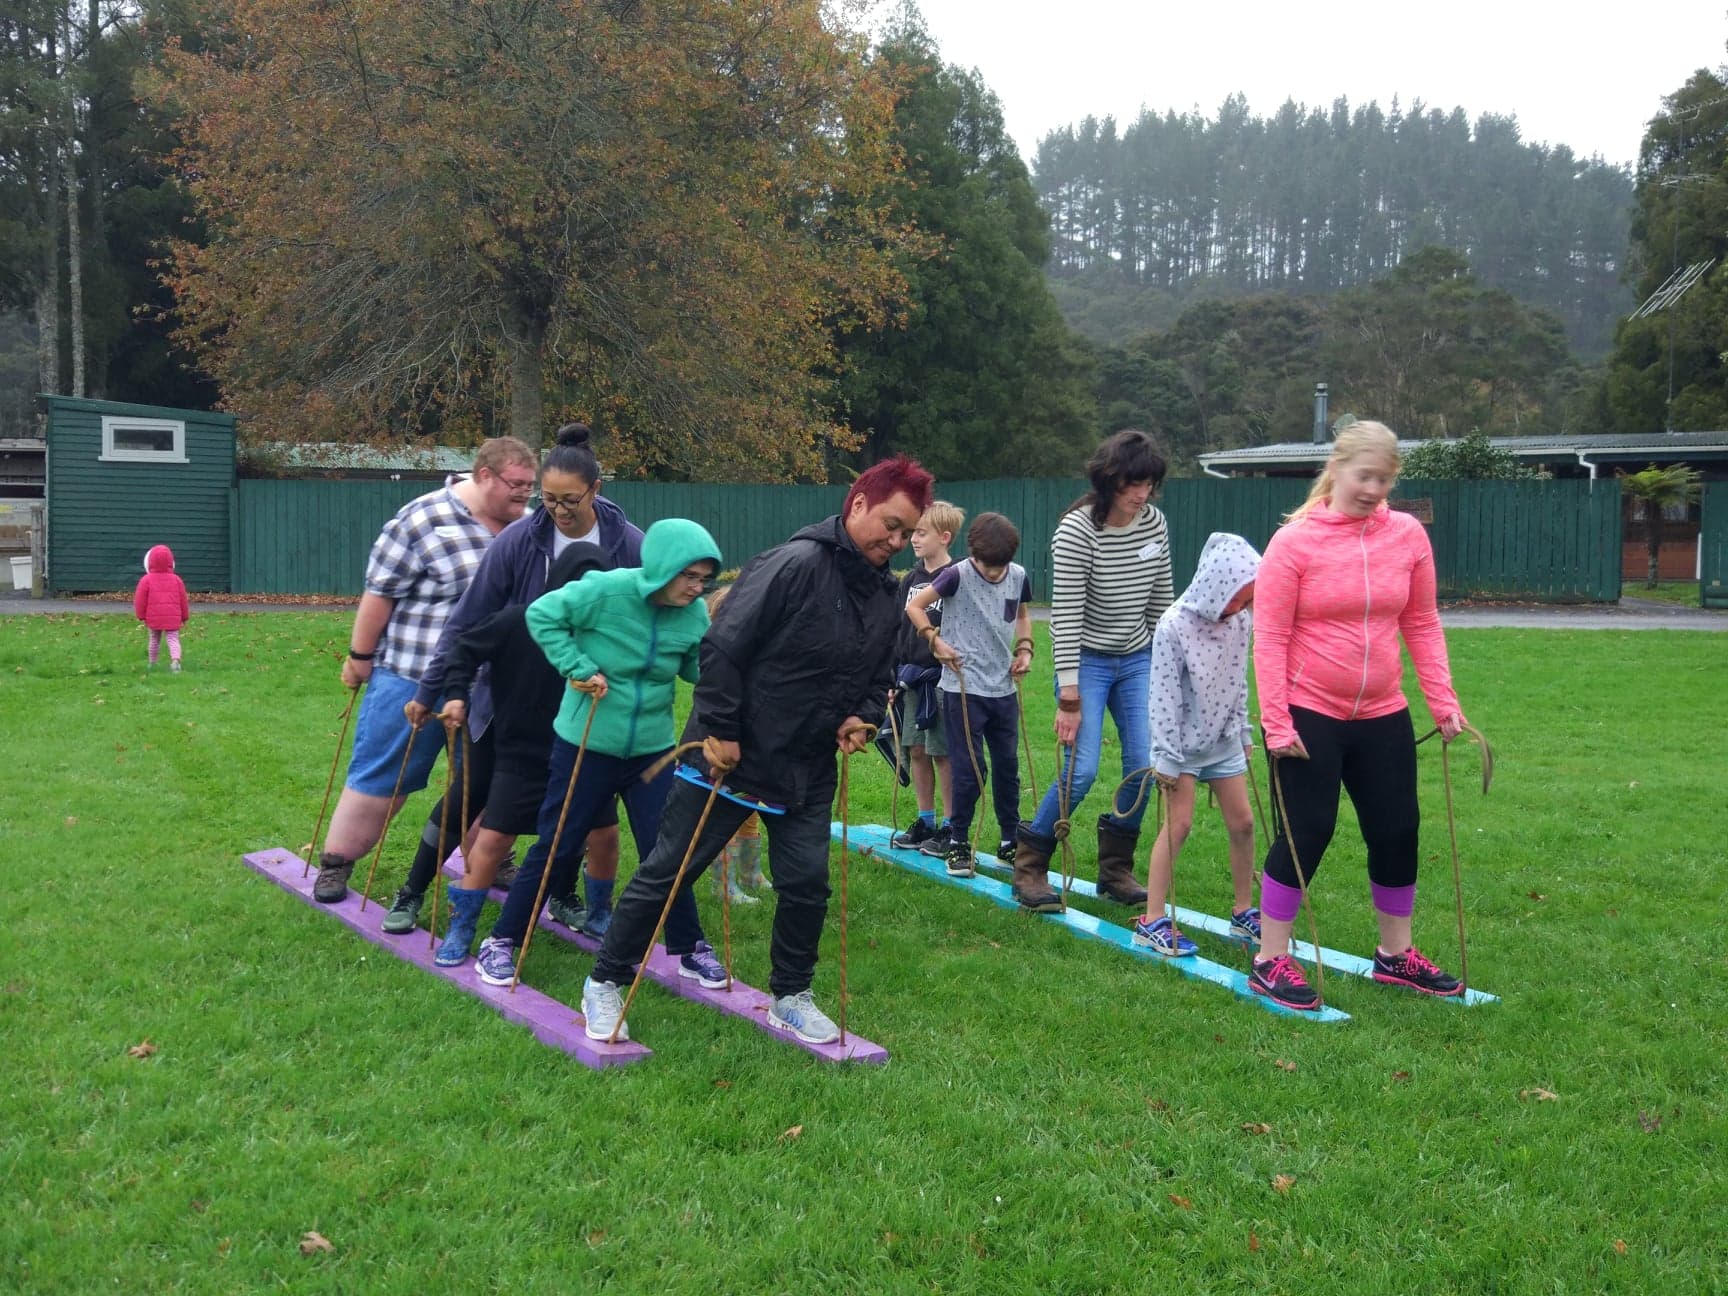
[(1343, 581), (160, 603)]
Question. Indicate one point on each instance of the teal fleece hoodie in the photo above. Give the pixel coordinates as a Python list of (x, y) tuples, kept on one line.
[(605, 623)]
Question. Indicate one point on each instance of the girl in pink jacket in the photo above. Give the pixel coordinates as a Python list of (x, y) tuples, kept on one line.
[(1343, 580), (160, 603)]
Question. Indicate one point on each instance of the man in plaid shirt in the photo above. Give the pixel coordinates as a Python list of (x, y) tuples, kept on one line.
[(420, 564)]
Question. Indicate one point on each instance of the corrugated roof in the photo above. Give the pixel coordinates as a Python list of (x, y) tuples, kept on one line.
[(1661, 445)]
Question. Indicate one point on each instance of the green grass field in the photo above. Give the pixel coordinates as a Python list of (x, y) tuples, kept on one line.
[(1056, 1117), (1679, 593)]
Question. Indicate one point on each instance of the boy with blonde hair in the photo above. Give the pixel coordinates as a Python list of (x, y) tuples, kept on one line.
[(923, 738)]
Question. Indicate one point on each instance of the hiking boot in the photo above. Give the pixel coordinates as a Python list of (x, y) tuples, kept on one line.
[(332, 881), (404, 913), (937, 843), (1281, 980), (602, 1011), (496, 964), (959, 860), (799, 1014), (915, 836), (700, 966), (567, 910), (1412, 970), (1032, 851), (1245, 925), (1116, 863), (1162, 937), (465, 907)]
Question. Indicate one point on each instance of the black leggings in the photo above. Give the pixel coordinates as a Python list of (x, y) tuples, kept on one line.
[(1375, 762)]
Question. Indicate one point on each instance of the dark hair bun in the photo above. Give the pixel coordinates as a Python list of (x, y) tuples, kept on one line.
[(574, 434)]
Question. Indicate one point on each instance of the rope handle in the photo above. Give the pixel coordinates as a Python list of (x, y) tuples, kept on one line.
[(1481, 741)]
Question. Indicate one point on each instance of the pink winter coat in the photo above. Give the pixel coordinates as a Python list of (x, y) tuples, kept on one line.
[(160, 601), (1333, 595)]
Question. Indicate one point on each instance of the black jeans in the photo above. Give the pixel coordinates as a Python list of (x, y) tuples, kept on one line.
[(1375, 762), (994, 721), (798, 843), (426, 860)]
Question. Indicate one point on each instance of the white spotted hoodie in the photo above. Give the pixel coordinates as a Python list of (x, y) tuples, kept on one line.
[(1199, 694)]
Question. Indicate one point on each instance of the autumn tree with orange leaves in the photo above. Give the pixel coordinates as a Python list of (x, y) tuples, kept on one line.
[(484, 216)]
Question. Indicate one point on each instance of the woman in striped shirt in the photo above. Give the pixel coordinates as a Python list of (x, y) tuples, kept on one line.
[(1111, 583)]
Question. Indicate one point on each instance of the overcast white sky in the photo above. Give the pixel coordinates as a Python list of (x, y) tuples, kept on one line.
[(1570, 78)]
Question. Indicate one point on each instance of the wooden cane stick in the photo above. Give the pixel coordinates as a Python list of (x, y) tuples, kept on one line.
[(329, 783), (869, 732), (443, 832), (389, 815), (1301, 879), (552, 854)]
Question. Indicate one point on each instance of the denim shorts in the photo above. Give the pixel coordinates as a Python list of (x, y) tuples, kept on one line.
[(381, 735), (1233, 766)]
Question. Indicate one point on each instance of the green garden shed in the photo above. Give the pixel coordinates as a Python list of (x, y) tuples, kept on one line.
[(123, 477)]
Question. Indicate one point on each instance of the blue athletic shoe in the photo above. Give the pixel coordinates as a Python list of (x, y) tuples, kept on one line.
[(496, 963), (702, 967), (1161, 937), (1245, 925)]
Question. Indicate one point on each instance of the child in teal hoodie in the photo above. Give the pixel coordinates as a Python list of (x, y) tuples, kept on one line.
[(628, 635)]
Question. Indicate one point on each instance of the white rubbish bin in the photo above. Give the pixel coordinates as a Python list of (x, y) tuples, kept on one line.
[(21, 573)]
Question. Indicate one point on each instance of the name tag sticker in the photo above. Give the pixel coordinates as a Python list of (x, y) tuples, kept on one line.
[(1151, 549)]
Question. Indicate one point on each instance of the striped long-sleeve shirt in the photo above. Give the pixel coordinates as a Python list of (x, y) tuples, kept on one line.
[(1109, 586)]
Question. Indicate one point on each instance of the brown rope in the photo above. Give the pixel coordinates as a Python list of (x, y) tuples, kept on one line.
[(1301, 879), (1062, 826), (443, 825), (894, 728), (389, 816), (869, 732), (467, 760), (1259, 812), (1452, 832), (581, 686), (1030, 782), (341, 745)]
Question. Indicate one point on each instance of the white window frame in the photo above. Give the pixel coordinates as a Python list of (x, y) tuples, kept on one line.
[(113, 422)]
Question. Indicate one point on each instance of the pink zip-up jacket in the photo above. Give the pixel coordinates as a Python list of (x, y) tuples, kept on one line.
[(1333, 595)]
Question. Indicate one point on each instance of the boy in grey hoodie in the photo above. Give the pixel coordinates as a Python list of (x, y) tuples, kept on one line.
[(1200, 732)]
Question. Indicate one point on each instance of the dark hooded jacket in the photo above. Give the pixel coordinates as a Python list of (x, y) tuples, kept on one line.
[(805, 639), (526, 688)]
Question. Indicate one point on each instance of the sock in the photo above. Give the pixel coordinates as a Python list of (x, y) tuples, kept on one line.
[(927, 818), (599, 893)]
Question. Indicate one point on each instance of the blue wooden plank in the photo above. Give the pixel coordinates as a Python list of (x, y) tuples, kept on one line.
[(874, 838)]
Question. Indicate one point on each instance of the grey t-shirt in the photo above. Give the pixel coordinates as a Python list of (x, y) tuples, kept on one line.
[(978, 623)]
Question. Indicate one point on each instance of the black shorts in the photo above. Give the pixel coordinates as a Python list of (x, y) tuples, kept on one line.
[(513, 802)]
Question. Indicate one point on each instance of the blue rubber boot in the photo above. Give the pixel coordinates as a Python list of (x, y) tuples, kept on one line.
[(599, 895), (465, 909)]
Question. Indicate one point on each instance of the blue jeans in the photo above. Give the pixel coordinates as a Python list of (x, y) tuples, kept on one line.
[(1121, 685)]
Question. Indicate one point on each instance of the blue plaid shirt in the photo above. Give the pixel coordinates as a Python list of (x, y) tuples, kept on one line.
[(423, 559)]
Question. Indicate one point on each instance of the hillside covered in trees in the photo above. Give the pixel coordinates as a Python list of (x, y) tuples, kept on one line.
[(1309, 201)]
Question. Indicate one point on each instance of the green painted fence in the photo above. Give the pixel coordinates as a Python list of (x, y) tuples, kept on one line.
[(1553, 541), (1713, 547)]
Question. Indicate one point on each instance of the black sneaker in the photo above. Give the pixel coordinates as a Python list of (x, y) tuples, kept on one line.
[(915, 836), (1281, 980), (959, 860), (1411, 970), (937, 843), (1005, 850)]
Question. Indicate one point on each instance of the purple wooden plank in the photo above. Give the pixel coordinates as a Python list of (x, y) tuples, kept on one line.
[(741, 1001), (553, 1023)]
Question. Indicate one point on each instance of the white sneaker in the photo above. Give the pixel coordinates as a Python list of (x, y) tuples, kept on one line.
[(799, 1014), (602, 1006)]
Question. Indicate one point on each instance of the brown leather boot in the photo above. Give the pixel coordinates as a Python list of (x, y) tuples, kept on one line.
[(1032, 851), (1116, 863)]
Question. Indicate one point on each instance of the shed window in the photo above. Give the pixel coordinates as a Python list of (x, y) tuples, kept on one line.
[(144, 440)]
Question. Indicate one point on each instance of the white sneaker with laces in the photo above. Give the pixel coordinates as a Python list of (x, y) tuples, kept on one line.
[(799, 1014), (602, 1006)]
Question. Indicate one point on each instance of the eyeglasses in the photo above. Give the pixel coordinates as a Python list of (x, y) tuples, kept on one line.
[(569, 503), (517, 485)]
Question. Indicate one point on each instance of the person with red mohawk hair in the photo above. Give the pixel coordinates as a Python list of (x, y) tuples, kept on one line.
[(799, 658)]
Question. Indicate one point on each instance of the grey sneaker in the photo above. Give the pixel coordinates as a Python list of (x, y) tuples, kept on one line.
[(404, 913), (799, 1014), (332, 881), (505, 876), (567, 910), (602, 1008)]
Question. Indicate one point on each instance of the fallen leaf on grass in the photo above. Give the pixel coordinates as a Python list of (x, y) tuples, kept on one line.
[(889, 1238), (141, 1050), (1282, 1065), (1540, 1095), (14, 987), (1648, 1122), (1157, 1104), (1256, 1127), (311, 1243), (224, 1246), (794, 1132), (1183, 1202), (1536, 895), (98, 701), (722, 1084), (1281, 1183), (71, 821), (200, 1205), (1400, 1075), (1253, 1241), (596, 1237), (1619, 1246), (1633, 783), (305, 852)]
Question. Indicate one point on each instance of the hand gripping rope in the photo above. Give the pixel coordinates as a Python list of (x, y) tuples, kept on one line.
[(1301, 878), (390, 811), (341, 745), (444, 812), (717, 767), (581, 686), (1452, 832)]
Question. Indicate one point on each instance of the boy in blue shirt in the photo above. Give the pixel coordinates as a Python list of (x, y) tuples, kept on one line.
[(986, 632)]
